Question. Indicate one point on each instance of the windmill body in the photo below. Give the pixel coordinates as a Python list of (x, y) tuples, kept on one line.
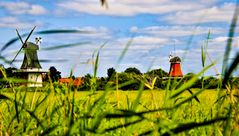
[(30, 57), (31, 68), (175, 67)]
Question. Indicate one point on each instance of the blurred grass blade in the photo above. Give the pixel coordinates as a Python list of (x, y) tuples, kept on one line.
[(32, 114), (16, 107), (47, 60), (45, 32), (104, 3), (57, 60), (58, 31), (125, 50), (188, 126), (203, 56), (4, 59), (151, 85), (4, 97), (196, 98), (10, 42), (188, 84), (230, 39), (139, 95), (49, 130), (188, 99), (64, 46), (123, 125), (97, 59), (232, 67), (208, 55), (147, 133), (96, 64)]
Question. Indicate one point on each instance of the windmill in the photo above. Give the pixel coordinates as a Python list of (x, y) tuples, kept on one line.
[(175, 65), (30, 68)]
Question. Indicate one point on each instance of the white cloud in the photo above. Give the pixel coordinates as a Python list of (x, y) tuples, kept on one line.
[(222, 40), (17, 8), (139, 43), (222, 13), (176, 31), (13, 22), (149, 40), (129, 8), (88, 33)]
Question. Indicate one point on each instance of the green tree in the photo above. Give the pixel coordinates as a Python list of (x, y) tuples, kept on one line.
[(157, 73), (86, 85), (133, 70), (135, 80), (211, 82), (54, 74), (111, 74)]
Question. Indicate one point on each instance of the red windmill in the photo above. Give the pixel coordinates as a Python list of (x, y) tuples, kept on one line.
[(175, 68)]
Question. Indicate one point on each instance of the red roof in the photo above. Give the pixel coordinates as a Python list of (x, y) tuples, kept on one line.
[(75, 82)]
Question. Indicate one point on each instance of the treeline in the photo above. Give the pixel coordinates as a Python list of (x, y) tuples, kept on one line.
[(133, 79)]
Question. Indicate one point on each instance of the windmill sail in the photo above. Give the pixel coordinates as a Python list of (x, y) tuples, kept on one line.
[(23, 44)]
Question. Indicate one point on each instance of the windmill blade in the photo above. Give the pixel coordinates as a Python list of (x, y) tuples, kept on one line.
[(16, 55), (19, 36), (23, 44), (29, 34)]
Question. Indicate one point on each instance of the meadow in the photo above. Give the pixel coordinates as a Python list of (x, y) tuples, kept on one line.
[(109, 113)]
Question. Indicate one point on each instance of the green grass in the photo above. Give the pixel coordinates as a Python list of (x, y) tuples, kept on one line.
[(56, 111)]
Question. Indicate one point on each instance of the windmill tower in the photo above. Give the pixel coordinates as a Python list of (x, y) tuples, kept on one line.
[(30, 68), (175, 67)]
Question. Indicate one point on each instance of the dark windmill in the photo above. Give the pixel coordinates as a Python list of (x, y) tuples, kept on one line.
[(30, 68)]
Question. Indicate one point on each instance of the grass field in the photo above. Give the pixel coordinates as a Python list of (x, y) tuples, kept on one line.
[(107, 113)]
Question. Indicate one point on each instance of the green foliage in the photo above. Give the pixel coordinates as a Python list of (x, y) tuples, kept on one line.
[(133, 71), (134, 78), (87, 82), (111, 74), (54, 74), (157, 73)]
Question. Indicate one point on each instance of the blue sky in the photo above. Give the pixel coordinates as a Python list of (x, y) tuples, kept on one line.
[(155, 26)]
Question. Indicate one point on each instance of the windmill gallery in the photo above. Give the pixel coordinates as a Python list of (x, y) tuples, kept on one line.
[(32, 72)]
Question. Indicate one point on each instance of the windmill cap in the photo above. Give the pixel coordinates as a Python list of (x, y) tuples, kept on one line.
[(175, 59)]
